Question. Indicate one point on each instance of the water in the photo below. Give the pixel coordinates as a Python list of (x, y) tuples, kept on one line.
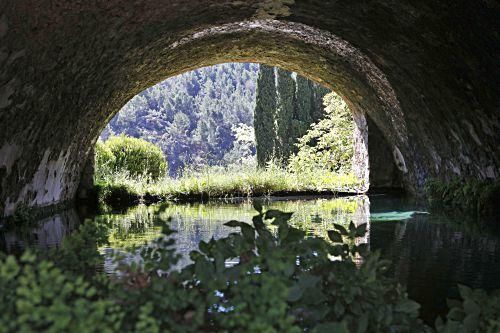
[(430, 253)]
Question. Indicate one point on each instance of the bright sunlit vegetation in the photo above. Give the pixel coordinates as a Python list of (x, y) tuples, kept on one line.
[(302, 142), (216, 182), (140, 224)]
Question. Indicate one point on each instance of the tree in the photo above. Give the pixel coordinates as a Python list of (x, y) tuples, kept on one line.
[(328, 144), (284, 114), (264, 121), (287, 104), (243, 151), (210, 101)]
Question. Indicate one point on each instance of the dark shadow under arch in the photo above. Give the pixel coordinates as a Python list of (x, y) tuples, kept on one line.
[(66, 71)]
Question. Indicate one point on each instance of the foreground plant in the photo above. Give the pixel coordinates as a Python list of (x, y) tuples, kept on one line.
[(265, 277), (477, 312)]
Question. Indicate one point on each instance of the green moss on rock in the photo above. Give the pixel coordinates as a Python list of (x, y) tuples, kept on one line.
[(469, 196)]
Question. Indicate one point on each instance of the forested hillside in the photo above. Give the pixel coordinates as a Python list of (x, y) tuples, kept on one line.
[(199, 117), (206, 116)]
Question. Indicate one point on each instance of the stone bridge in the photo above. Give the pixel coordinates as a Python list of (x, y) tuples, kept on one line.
[(425, 72)]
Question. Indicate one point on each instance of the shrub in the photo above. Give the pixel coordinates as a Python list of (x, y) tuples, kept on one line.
[(481, 198), (115, 195), (137, 157), (477, 312), (329, 143), (104, 160)]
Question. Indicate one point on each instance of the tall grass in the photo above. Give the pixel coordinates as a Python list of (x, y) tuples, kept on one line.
[(224, 182)]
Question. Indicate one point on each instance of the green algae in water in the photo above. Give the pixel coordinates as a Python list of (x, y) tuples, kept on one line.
[(394, 216)]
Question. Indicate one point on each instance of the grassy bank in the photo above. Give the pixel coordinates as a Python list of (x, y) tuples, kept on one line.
[(220, 182)]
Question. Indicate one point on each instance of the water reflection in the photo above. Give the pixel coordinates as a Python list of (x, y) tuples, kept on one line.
[(197, 222), (430, 253), (47, 233), (431, 256)]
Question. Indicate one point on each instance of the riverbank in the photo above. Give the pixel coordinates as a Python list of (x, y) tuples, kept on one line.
[(120, 189), (470, 197)]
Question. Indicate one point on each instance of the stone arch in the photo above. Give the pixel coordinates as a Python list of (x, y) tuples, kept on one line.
[(68, 68)]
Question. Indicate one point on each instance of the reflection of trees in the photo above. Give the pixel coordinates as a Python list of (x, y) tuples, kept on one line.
[(196, 222), (193, 223), (431, 258)]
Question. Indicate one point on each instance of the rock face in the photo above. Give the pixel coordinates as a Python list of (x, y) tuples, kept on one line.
[(426, 72)]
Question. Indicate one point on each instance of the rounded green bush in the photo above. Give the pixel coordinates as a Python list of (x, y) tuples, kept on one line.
[(135, 156)]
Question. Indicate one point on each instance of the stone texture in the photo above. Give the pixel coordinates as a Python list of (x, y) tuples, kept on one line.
[(360, 158), (426, 72), (86, 186), (384, 173)]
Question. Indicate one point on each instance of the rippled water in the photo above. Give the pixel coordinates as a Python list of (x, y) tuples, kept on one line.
[(430, 253)]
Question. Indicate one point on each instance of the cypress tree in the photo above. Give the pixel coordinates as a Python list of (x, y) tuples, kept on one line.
[(317, 107), (304, 99), (284, 114), (303, 109), (265, 108), (286, 107)]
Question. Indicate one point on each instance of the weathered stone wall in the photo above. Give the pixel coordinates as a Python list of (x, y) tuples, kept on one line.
[(425, 71), (360, 158)]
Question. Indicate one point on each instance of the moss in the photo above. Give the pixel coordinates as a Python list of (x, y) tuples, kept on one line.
[(465, 196)]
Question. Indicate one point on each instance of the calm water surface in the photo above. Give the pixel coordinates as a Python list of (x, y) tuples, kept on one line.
[(430, 253)]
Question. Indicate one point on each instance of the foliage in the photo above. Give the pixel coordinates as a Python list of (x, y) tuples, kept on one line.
[(482, 198), (286, 105), (191, 117), (60, 294), (23, 215), (328, 144), (104, 160), (197, 118), (223, 182), (37, 296), (477, 312), (266, 278), (265, 107), (136, 157), (243, 151), (284, 114), (116, 192)]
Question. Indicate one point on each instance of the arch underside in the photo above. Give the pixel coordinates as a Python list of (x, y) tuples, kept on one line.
[(65, 71)]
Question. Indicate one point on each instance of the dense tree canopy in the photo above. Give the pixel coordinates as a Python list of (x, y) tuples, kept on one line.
[(287, 104), (328, 143), (194, 117), (226, 114)]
